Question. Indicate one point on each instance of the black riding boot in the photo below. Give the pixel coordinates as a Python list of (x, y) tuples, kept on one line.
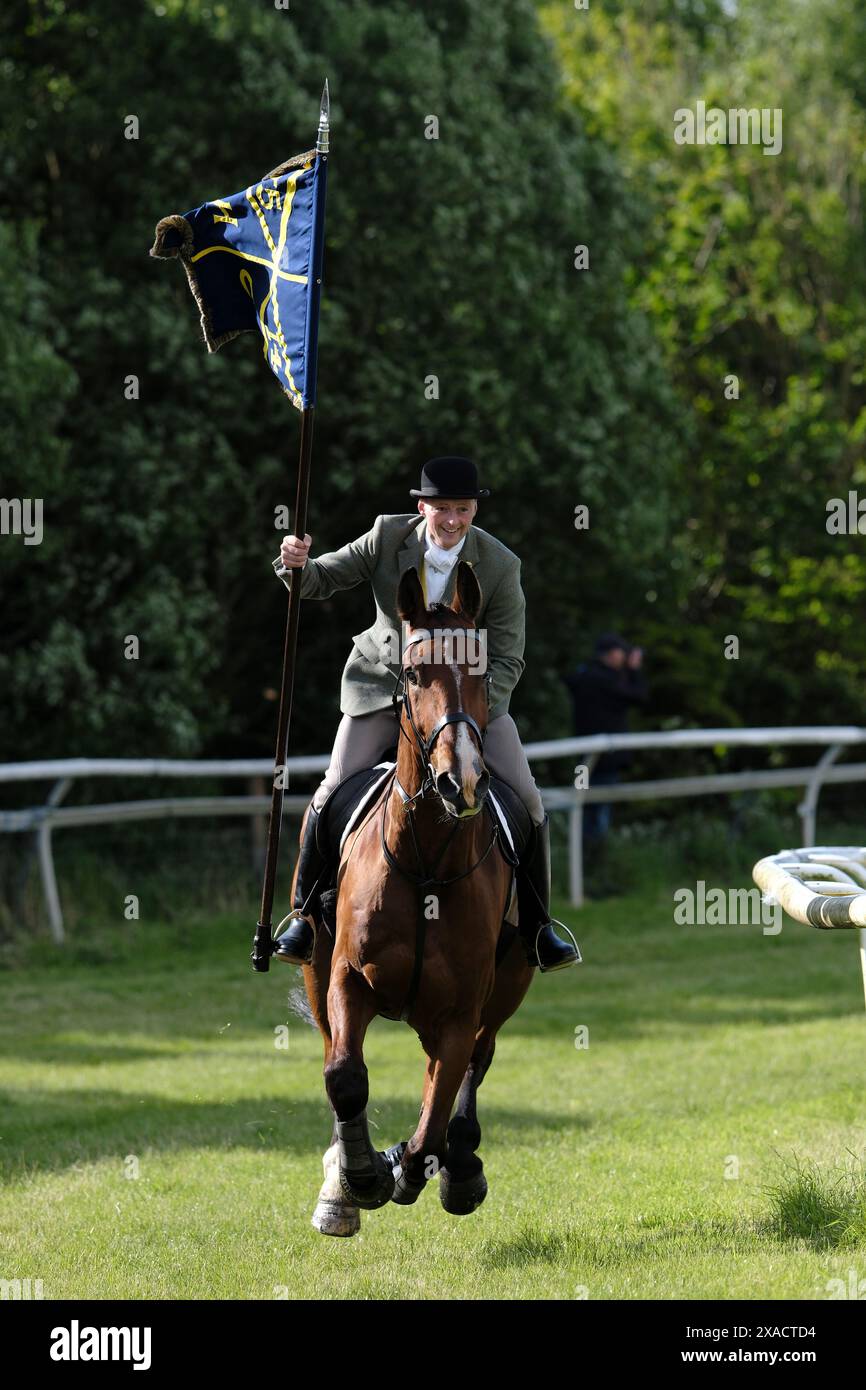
[(295, 946), (543, 947)]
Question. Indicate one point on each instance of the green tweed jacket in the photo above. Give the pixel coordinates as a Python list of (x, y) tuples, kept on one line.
[(393, 545)]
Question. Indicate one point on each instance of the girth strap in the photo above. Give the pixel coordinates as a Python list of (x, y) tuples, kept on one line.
[(418, 963)]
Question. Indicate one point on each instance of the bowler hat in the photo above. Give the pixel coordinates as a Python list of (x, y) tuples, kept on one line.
[(449, 477)]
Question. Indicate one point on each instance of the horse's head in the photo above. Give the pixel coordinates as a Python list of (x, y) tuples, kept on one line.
[(444, 690)]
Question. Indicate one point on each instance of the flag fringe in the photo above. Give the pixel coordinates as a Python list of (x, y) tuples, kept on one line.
[(176, 223), (292, 163)]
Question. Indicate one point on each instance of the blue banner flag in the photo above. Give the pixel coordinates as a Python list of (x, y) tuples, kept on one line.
[(254, 264)]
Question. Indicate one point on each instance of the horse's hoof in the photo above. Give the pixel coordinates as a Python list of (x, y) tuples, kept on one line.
[(336, 1218), (370, 1193), (406, 1192), (459, 1196)]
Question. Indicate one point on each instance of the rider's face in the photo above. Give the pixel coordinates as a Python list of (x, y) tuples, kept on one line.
[(448, 520)]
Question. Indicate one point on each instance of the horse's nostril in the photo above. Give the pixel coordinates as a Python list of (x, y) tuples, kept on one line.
[(448, 786)]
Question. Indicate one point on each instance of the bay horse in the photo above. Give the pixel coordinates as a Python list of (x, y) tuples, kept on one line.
[(422, 893)]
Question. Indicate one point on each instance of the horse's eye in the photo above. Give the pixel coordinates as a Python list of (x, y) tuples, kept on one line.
[(411, 675)]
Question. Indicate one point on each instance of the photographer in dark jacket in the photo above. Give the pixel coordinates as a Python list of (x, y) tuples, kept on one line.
[(603, 691)]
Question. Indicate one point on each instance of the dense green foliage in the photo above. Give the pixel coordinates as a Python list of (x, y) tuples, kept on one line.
[(753, 267), (452, 257)]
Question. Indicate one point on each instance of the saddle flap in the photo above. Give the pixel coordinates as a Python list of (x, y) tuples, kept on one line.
[(346, 804), (512, 817)]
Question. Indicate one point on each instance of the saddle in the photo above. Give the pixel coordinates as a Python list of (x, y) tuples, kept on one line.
[(346, 805)]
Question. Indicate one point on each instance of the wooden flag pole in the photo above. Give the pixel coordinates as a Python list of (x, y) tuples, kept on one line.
[(263, 944)]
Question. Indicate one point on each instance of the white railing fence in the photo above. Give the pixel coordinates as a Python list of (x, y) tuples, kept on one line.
[(50, 815)]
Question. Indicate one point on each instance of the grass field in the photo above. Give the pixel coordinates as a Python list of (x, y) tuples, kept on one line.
[(708, 1143)]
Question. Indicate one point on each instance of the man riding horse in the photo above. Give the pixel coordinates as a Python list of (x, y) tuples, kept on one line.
[(447, 501)]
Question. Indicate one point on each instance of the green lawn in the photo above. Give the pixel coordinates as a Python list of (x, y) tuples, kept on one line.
[(711, 1049)]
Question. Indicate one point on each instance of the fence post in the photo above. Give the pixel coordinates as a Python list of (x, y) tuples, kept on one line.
[(49, 881), (808, 807), (46, 861), (575, 852), (258, 826), (575, 838)]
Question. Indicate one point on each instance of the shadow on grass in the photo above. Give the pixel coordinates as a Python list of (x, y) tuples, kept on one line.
[(60, 1052), (612, 1015), (47, 1131), (613, 1004)]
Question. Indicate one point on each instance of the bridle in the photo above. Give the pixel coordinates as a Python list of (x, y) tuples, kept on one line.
[(401, 701), (400, 696)]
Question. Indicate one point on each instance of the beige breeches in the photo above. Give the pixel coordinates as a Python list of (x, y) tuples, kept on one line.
[(362, 740)]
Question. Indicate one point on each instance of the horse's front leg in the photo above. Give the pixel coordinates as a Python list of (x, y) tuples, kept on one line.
[(333, 1215), (465, 1170), (464, 1131), (410, 1180), (365, 1176), (449, 1056)]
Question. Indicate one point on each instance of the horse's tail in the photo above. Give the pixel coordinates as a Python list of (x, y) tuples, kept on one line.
[(300, 1005)]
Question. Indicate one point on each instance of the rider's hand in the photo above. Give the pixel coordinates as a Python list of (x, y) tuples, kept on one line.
[(293, 552)]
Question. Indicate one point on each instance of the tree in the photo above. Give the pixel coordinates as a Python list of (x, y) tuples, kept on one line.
[(450, 258)]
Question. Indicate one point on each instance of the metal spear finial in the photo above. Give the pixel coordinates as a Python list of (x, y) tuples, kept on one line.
[(324, 121)]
